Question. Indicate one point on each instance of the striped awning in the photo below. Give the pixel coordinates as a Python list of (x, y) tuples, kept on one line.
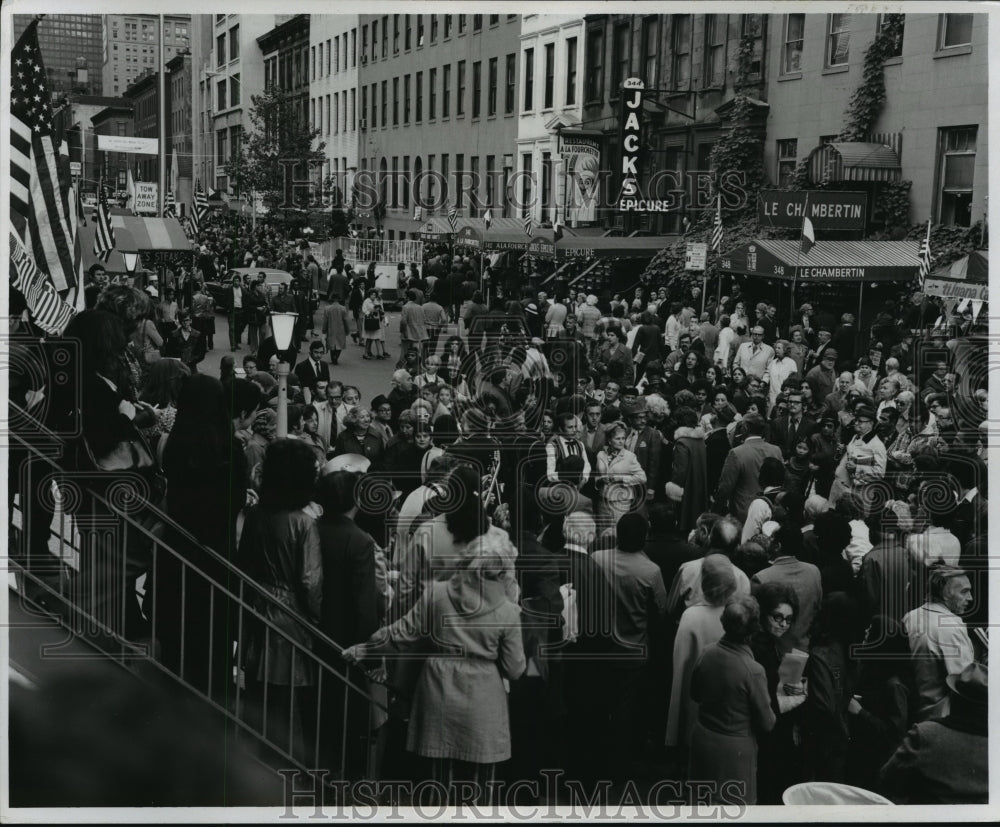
[(856, 161), (135, 233), (826, 261), (966, 278)]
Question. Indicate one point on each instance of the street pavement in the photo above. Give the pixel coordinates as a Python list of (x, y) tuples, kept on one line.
[(371, 376)]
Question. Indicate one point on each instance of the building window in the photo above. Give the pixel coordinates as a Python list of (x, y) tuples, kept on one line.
[(408, 31), (508, 100), (715, 49), (491, 99), (326, 124), (788, 153), (354, 48), (571, 71), (525, 184), (420, 30), (682, 52), (752, 26), (898, 21), (220, 50), (432, 95), (620, 60), (529, 79), (374, 39), (364, 43), (234, 42), (791, 59), (477, 22), (431, 179), (328, 55), (477, 88), (385, 103), (491, 162), (958, 164), (385, 36), (234, 90), (221, 146), (419, 80), (221, 95), (474, 186), (446, 92), (459, 171), (406, 99), (394, 184), (595, 69), (550, 75), (447, 26), (650, 39), (395, 34), (336, 114), (354, 109), (406, 180), (460, 91), (955, 30), (444, 178), (373, 112), (434, 35), (838, 39), (461, 26), (395, 101)]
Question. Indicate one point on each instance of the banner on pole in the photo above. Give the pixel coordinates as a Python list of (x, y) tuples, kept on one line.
[(122, 143)]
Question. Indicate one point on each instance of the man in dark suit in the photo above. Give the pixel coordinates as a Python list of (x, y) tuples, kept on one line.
[(645, 442), (844, 341), (312, 370), (236, 301), (786, 431), (739, 483), (337, 285)]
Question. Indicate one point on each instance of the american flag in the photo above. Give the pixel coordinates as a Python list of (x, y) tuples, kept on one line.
[(717, 227), (48, 310), (924, 254), (104, 237), (527, 225), (169, 206), (453, 219), (200, 207), (38, 194)]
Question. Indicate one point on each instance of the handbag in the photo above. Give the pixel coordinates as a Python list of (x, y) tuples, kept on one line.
[(372, 323)]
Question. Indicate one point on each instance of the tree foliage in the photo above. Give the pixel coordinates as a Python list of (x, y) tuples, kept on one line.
[(278, 154)]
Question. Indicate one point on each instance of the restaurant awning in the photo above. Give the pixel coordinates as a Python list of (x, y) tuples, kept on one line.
[(854, 161), (640, 246), (159, 235), (966, 278), (827, 261)]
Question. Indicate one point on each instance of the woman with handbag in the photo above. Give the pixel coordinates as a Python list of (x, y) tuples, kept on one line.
[(373, 316)]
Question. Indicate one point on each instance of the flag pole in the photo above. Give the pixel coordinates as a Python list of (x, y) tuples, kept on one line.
[(798, 254)]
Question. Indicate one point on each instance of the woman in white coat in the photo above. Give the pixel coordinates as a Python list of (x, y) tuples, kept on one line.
[(781, 366), (619, 476)]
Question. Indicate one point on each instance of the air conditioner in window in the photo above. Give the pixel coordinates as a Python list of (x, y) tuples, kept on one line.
[(363, 123)]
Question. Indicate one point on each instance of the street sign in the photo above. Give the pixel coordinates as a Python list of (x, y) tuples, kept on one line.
[(75, 168), (695, 255), (146, 198)]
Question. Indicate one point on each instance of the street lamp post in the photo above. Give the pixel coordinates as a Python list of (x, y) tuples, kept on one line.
[(282, 327)]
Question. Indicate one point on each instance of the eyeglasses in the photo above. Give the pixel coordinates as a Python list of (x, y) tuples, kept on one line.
[(782, 620)]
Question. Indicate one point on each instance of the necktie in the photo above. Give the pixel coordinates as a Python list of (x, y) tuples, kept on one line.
[(633, 437)]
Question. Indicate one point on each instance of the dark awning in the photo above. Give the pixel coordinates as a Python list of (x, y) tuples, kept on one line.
[(640, 246), (827, 261), (854, 161), (966, 278)]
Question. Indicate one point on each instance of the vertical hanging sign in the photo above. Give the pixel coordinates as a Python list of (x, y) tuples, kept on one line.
[(631, 140)]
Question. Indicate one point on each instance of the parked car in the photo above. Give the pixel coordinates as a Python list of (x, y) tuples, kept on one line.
[(272, 278)]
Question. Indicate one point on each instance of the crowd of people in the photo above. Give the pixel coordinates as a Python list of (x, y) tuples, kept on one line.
[(647, 535)]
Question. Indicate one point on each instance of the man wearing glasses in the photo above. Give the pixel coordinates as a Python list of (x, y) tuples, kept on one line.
[(753, 356)]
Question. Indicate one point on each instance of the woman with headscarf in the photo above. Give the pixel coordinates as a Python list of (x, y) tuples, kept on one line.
[(700, 626), (467, 624), (206, 490)]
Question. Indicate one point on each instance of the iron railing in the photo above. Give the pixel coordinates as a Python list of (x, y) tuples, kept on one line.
[(109, 525)]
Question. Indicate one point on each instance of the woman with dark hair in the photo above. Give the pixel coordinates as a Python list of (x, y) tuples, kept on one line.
[(881, 710), (614, 360), (829, 673), (131, 306), (280, 550), (699, 627), (206, 489), (355, 300), (812, 407), (110, 446), (734, 709), (163, 385), (688, 484), (692, 368), (778, 760), (833, 535)]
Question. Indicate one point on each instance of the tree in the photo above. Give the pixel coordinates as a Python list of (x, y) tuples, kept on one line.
[(276, 156)]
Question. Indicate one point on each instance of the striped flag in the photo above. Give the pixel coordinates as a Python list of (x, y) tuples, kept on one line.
[(717, 227), (924, 254), (104, 237), (169, 206), (200, 207), (488, 217), (453, 219), (39, 183), (527, 225), (48, 311)]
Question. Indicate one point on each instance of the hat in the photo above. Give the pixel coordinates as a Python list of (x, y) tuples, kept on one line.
[(829, 352), (536, 342), (637, 407), (379, 400), (805, 307), (532, 308), (865, 412), (971, 684)]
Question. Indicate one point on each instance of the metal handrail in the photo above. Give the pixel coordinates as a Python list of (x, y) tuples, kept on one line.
[(584, 272), (237, 597)]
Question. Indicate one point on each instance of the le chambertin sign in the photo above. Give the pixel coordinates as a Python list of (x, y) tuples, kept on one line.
[(827, 209)]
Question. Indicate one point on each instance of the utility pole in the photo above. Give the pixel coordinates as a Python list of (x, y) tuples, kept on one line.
[(162, 121)]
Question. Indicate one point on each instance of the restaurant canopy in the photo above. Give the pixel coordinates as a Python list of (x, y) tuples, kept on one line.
[(966, 278), (144, 235), (827, 261), (854, 161)]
